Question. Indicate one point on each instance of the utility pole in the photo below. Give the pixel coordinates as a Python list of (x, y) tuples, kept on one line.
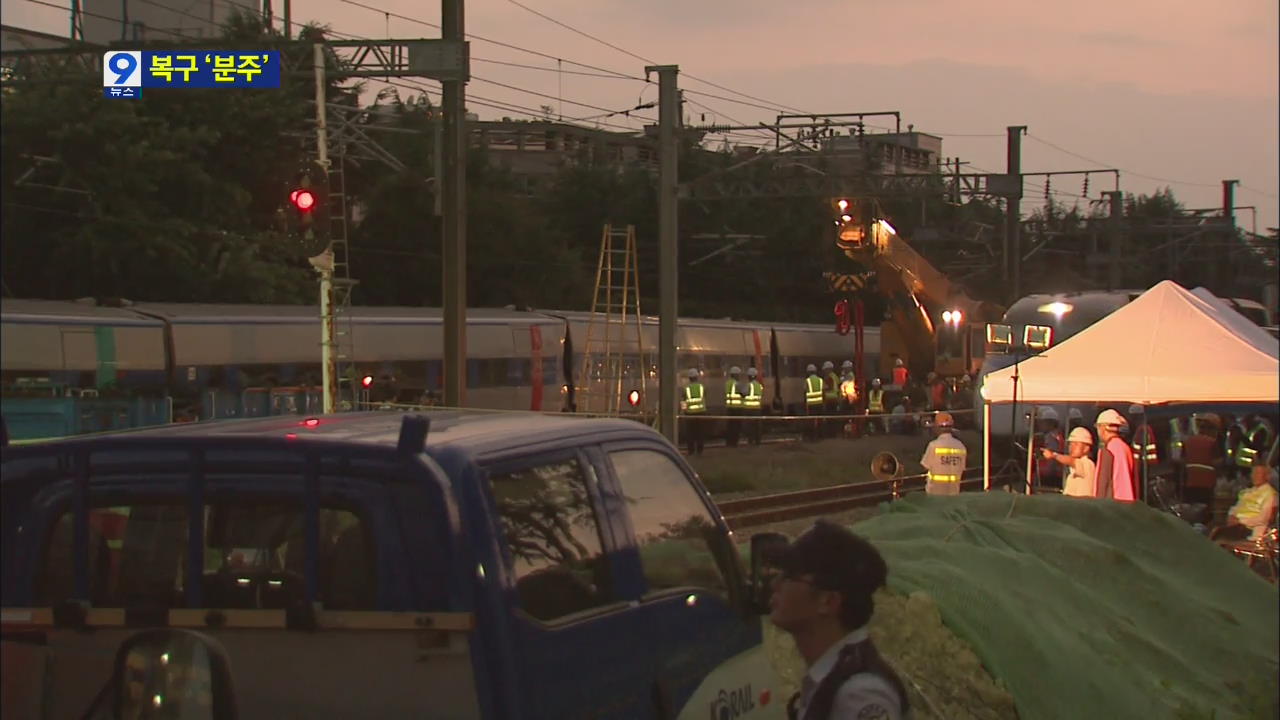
[(668, 227), (1229, 203), (1115, 277), (1013, 214), (454, 186), (324, 266)]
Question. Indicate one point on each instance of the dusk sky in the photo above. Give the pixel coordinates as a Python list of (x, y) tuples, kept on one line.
[(1180, 94)]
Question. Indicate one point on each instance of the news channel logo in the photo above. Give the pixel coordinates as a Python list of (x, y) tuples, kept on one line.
[(125, 73)]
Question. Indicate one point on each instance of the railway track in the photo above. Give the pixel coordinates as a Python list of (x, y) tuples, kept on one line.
[(765, 509)]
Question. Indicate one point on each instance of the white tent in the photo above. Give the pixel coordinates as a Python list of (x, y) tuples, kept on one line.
[(1168, 345), (1242, 325)]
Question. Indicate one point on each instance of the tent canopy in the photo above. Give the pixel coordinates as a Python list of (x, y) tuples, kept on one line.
[(1168, 345)]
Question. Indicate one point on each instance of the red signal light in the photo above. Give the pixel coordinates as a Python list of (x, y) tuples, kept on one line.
[(311, 422), (367, 381), (304, 200)]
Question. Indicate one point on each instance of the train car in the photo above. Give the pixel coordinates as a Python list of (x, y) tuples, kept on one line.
[(268, 357), (778, 351)]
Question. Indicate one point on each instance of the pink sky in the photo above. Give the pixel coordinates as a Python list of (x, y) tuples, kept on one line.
[(1176, 91)]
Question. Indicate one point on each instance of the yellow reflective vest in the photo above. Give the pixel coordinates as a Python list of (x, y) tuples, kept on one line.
[(732, 398), (695, 401), (813, 391), (754, 396)]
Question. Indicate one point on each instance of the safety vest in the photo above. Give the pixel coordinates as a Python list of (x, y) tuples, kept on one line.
[(831, 388), (813, 391), (755, 393), (1247, 452), (875, 401), (1234, 439), (900, 376), (1252, 500), (951, 458), (1144, 445), (694, 402), (1175, 439), (732, 398)]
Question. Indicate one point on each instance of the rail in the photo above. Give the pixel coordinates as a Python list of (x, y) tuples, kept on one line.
[(779, 507)]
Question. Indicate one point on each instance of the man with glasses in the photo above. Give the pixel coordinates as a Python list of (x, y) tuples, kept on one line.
[(823, 598)]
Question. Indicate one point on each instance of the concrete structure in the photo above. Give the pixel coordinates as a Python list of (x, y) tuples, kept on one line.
[(534, 150), (902, 153)]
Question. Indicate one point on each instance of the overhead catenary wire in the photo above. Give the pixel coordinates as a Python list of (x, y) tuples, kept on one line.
[(1156, 178)]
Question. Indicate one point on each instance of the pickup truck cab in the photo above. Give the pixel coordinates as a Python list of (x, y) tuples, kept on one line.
[(445, 565)]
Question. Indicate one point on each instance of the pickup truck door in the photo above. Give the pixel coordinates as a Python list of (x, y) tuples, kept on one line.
[(560, 581), (703, 649)]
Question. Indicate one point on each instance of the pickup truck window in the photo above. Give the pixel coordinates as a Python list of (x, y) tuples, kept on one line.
[(554, 539), (673, 529), (253, 557)]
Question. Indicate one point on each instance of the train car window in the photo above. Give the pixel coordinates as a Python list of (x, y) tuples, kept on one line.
[(435, 374), (550, 371), (689, 360), (254, 558), (554, 539), (517, 371), (674, 532)]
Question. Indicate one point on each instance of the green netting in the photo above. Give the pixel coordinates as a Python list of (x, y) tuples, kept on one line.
[(1090, 609)]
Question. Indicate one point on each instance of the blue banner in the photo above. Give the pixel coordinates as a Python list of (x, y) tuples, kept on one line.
[(189, 69)]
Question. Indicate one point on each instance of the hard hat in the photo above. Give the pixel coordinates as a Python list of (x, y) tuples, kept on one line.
[(897, 362), (943, 420), (1075, 414), (1080, 435), (1044, 412), (847, 365), (693, 373), (811, 368), (751, 372), (1136, 410), (828, 365), (875, 383), (735, 370), (1110, 417)]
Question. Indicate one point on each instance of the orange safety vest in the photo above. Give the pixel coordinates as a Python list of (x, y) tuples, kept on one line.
[(900, 376)]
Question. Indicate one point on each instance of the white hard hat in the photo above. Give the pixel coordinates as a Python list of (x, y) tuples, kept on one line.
[(897, 362), (876, 382), (828, 365), (751, 372), (1110, 417), (847, 365), (1135, 410), (1080, 435), (735, 370), (1075, 414), (811, 368), (693, 373), (1044, 412)]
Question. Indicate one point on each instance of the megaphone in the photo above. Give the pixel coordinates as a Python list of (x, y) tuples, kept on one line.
[(886, 466)]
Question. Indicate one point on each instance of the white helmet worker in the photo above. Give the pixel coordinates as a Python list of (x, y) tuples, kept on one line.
[(811, 368), (751, 372), (1110, 418), (693, 373), (875, 383), (897, 362), (1045, 412), (828, 365), (1080, 435), (846, 365), (735, 370), (1075, 414)]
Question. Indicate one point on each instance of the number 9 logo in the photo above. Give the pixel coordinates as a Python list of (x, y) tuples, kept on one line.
[(122, 68)]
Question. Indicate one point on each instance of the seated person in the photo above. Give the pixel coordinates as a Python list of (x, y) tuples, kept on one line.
[(1252, 513)]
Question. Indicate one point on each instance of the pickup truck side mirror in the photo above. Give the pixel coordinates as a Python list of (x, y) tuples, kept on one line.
[(167, 673), (766, 550)]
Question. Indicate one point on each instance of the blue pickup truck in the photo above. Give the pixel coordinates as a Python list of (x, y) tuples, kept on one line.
[(445, 565)]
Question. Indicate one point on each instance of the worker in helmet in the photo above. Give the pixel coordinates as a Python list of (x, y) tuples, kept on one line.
[(944, 458), (1075, 419), (813, 401), (1143, 441), (849, 397), (900, 374), (733, 405), (1115, 459), (1049, 437), (753, 405), (830, 397), (693, 406), (937, 392), (875, 405), (1080, 469)]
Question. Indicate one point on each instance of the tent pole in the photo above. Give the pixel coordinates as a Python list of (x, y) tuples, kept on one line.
[(986, 445), (1031, 445)]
